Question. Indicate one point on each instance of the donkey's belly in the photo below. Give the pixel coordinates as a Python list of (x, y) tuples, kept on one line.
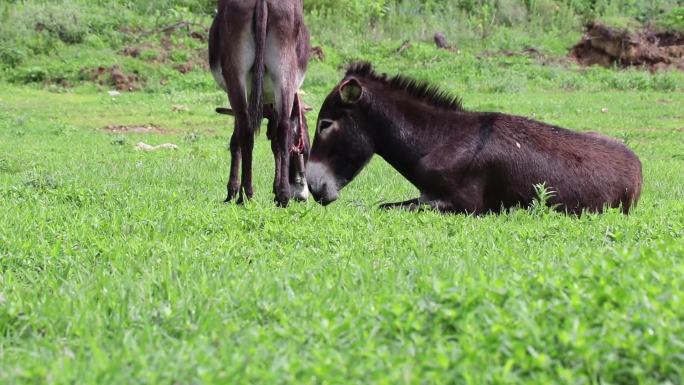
[(269, 89)]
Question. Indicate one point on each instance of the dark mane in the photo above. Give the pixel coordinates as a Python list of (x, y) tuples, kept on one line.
[(421, 90)]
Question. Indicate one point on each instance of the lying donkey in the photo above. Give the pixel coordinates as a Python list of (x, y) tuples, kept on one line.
[(258, 53), (461, 161)]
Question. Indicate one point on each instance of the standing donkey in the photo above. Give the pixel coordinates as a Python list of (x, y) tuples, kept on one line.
[(258, 53)]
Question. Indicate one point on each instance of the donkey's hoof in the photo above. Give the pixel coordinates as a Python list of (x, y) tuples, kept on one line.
[(233, 193), (282, 200), (282, 203), (244, 198), (283, 195)]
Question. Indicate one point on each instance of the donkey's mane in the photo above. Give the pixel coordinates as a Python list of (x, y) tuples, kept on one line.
[(421, 90)]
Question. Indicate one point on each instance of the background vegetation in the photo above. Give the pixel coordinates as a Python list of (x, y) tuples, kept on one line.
[(123, 267), (57, 41)]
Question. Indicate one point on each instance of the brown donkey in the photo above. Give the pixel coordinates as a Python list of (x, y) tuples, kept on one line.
[(461, 161), (258, 53)]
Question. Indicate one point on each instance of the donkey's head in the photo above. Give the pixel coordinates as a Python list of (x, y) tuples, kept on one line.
[(342, 145)]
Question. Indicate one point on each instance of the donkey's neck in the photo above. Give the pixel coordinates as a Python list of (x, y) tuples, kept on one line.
[(403, 135)]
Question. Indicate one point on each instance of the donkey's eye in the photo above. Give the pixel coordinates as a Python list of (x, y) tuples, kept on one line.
[(324, 125)]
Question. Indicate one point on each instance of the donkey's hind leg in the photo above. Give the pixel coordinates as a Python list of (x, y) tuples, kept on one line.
[(235, 156), (281, 65), (243, 131), (242, 157)]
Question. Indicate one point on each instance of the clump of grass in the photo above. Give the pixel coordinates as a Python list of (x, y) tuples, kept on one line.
[(8, 165), (622, 23), (192, 136), (673, 20), (41, 180), (119, 140)]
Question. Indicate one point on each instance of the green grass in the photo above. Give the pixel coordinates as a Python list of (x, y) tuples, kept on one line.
[(124, 267)]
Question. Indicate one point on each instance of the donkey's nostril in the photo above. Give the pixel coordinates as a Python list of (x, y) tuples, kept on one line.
[(318, 193)]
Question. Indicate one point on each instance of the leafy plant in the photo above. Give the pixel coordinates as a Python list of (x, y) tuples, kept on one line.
[(541, 204), (673, 20)]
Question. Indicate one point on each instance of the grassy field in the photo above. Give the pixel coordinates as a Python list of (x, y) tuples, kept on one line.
[(123, 267)]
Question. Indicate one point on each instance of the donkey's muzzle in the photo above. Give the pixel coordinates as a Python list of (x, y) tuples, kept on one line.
[(322, 200), (322, 183)]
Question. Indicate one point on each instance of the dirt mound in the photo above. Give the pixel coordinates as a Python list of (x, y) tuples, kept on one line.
[(162, 44), (606, 46), (142, 129), (114, 77)]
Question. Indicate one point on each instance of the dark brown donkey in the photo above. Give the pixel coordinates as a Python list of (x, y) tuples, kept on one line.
[(258, 52), (466, 162)]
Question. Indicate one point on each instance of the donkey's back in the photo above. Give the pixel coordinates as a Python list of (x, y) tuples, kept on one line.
[(233, 43), (584, 170)]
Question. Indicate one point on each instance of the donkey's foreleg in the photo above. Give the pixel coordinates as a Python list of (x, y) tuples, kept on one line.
[(298, 185), (454, 184), (421, 204), (300, 153), (409, 205)]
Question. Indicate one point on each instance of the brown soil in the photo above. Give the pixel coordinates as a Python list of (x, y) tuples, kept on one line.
[(133, 52), (198, 35), (115, 77), (165, 46), (142, 129), (606, 46)]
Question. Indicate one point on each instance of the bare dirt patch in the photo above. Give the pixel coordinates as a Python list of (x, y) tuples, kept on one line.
[(115, 77), (136, 129), (133, 52), (606, 46)]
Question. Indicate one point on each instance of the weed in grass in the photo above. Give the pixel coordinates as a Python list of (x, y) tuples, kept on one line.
[(192, 136), (8, 165), (119, 140), (540, 205), (41, 181)]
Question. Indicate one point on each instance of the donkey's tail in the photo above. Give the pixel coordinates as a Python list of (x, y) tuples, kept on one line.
[(256, 103)]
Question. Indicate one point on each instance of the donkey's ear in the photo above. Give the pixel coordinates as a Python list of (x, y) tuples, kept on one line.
[(351, 91)]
